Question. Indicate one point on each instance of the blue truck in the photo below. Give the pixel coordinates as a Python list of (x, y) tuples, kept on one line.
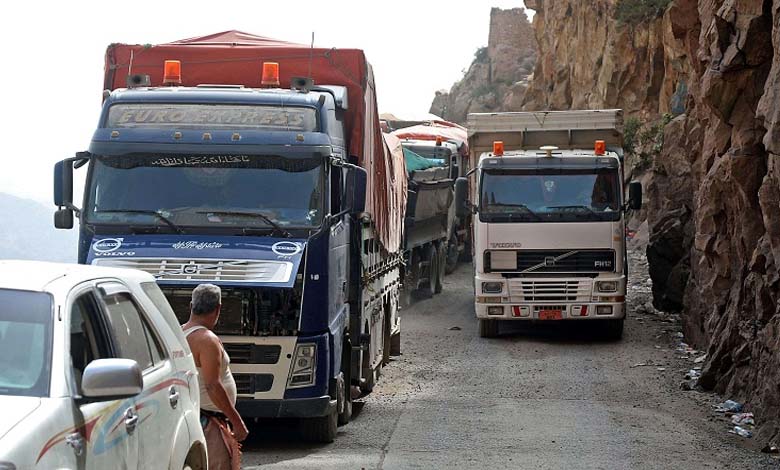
[(287, 197)]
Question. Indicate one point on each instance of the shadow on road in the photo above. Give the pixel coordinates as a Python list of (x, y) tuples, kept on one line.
[(569, 332), (283, 437)]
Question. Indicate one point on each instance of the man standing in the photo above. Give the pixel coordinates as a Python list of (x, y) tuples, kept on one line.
[(217, 386)]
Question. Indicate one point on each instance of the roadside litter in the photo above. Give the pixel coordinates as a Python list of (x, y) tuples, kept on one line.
[(700, 359), (771, 449), (743, 419), (729, 406), (693, 374), (455, 328), (742, 432)]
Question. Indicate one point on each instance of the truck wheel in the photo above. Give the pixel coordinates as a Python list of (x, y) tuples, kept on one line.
[(322, 429), (488, 328), (613, 329), (452, 254), (433, 271), (395, 344), (345, 383), (441, 268), (345, 402)]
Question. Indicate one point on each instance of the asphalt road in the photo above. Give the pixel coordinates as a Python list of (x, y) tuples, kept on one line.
[(538, 397)]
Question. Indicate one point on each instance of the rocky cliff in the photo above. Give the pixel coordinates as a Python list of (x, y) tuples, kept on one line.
[(713, 191), (497, 78)]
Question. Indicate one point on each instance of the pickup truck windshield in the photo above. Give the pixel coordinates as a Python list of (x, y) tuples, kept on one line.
[(25, 343), (550, 196), (173, 192)]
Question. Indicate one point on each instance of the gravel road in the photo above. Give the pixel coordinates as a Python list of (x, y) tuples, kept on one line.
[(539, 397)]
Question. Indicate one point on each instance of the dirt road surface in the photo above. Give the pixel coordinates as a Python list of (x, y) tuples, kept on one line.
[(548, 396)]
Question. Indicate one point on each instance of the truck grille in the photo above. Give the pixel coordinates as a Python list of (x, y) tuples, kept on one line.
[(198, 270), (551, 291), (249, 384), (560, 261), (247, 353)]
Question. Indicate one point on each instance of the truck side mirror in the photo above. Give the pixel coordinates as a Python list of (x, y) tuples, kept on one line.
[(63, 219), (635, 195), (461, 197), (357, 179), (63, 183), (63, 194)]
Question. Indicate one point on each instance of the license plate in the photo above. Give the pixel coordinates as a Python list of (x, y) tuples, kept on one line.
[(550, 314)]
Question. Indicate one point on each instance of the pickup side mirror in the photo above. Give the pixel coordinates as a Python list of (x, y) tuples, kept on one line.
[(357, 180), (635, 195), (111, 379), (461, 197)]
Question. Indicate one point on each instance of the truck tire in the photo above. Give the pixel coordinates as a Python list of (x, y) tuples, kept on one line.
[(441, 268), (322, 429), (345, 384), (395, 344), (452, 254), (488, 328), (613, 329), (433, 272)]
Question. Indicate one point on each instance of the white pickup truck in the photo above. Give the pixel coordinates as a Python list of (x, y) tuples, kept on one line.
[(549, 229), (95, 372)]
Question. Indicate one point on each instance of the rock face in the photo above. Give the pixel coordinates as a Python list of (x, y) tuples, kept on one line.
[(713, 200), (497, 78)]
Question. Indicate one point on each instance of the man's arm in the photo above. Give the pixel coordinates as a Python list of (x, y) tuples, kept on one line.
[(210, 365)]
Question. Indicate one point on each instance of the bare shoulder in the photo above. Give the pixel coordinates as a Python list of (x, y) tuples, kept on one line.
[(203, 340)]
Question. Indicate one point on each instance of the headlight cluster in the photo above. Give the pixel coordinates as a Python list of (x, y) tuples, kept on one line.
[(492, 287), (607, 286), (304, 366)]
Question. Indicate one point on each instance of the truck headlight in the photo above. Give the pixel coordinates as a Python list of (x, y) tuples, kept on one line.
[(607, 286), (492, 287), (304, 366)]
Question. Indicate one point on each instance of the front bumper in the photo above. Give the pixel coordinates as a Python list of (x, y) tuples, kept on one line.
[(570, 311), (290, 408)]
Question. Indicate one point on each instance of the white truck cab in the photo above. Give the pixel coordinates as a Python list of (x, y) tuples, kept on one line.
[(95, 372), (549, 224)]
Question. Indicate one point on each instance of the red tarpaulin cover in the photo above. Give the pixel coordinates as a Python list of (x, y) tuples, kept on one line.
[(444, 129), (236, 58)]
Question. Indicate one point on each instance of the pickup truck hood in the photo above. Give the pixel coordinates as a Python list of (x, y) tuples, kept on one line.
[(191, 259), (14, 409)]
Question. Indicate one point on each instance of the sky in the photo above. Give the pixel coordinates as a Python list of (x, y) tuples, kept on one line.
[(52, 55)]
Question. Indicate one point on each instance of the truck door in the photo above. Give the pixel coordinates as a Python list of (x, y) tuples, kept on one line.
[(157, 407), (103, 436)]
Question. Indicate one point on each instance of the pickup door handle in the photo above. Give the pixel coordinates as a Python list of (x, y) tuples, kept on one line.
[(173, 397), (131, 420)]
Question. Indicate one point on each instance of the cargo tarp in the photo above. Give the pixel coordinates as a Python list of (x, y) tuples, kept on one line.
[(236, 58), (415, 162), (448, 131)]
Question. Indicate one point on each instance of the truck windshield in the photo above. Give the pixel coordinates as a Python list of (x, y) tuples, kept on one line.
[(173, 192), (25, 343), (550, 196)]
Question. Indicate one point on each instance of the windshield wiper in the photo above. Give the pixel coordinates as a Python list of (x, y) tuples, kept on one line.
[(157, 214), (259, 215), (518, 206), (585, 208)]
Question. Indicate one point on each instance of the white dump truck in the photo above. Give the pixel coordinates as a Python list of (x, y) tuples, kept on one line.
[(549, 226)]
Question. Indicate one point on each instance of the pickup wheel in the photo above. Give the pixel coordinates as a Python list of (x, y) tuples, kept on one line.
[(488, 328), (613, 329), (322, 429)]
